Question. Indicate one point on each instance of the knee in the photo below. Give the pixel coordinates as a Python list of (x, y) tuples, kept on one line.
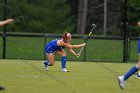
[(51, 63), (138, 65), (64, 54)]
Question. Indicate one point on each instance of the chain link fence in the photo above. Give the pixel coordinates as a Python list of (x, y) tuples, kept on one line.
[(31, 46)]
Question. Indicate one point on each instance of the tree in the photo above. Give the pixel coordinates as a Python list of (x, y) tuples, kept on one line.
[(106, 15), (47, 16), (133, 17), (82, 16)]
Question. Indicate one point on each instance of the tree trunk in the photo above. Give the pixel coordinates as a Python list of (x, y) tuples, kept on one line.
[(82, 16), (105, 17)]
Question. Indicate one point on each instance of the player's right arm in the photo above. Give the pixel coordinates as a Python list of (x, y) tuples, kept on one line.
[(61, 43)]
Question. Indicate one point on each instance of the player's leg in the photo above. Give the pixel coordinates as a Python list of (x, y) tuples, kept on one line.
[(137, 74), (50, 61), (123, 78), (133, 70), (63, 55)]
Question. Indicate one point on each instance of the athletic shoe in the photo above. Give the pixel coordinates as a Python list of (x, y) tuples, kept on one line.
[(46, 67), (121, 82), (2, 88), (64, 70), (137, 75)]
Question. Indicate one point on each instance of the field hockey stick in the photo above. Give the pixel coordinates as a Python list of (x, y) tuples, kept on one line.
[(93, 26)]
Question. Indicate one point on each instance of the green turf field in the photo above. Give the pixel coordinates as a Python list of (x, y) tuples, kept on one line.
[(27, 76)]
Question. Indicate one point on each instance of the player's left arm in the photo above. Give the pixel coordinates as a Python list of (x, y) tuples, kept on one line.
[(72, 52)]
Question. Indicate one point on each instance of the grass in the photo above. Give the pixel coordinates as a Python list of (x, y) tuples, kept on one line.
[(96, 50), (28, 76)]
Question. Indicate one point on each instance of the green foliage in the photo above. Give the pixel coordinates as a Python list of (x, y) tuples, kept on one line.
[(47, 16), (115, 16), (57, 16), (133, 16)]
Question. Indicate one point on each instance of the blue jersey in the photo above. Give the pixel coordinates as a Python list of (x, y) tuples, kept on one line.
[(52, 47)]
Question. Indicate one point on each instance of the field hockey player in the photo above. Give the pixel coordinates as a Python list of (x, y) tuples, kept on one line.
[(57, 46)]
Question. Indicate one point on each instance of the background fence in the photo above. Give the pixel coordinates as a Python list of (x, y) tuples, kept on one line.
[(31, 46)]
